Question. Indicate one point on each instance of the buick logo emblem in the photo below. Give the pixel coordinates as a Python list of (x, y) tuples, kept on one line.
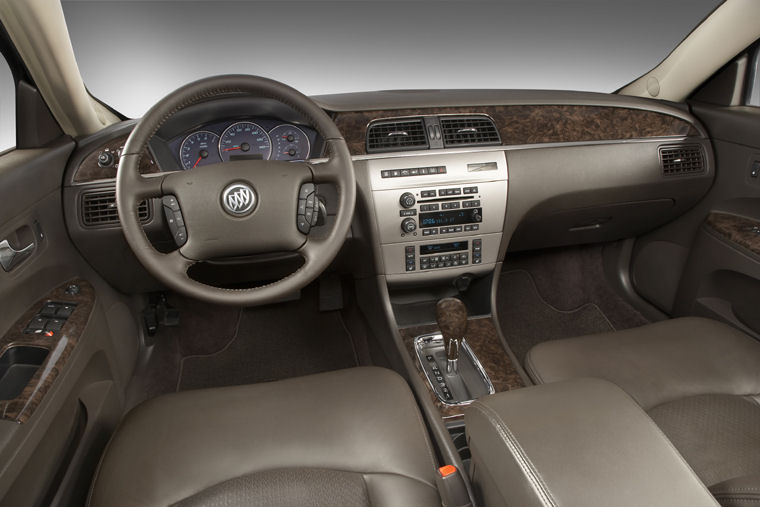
[(238, 199)]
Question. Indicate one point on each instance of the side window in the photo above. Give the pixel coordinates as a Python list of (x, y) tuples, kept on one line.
[(7, 107), (753, 77)]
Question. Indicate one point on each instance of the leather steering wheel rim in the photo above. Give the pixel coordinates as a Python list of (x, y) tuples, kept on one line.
[(171, 268)]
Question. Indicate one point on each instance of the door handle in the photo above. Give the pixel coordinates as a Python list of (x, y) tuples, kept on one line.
[(10, 257)]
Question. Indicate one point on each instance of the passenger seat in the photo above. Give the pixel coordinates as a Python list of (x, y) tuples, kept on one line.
[(698, 379)]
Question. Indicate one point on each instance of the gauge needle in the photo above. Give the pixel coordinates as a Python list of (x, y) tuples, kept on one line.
[(230, 149), (197, 161)]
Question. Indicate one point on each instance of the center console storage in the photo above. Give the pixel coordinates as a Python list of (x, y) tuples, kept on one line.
[(582, 442)]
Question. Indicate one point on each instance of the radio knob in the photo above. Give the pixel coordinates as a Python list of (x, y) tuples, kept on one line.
[(476, 216), (408, 225), (407, 200)]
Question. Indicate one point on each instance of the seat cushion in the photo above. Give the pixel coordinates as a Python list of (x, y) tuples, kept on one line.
[(657, 363), (718, 435), (350, 437)]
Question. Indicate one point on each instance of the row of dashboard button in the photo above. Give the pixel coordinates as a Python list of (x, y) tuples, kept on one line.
[(433, 231), (448, 192), (444, 261), (414, 171)]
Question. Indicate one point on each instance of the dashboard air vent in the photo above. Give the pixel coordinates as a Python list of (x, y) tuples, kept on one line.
[(681, 159), (396, 135), (99, 208), (469, 130)]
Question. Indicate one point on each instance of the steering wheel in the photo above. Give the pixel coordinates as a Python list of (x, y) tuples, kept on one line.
[(243, 207)]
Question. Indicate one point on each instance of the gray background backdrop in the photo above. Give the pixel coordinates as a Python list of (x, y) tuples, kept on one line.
[(131, 53)]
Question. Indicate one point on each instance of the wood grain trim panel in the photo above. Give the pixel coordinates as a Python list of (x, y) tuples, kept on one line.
[(59, 346), (89, 170), (536, 124), (484, 341), (745, 232)]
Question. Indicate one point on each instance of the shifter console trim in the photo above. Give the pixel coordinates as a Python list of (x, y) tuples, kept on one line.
[(432, 358)]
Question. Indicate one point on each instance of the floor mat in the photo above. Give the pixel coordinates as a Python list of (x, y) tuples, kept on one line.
[(274, 342), (527, 319)]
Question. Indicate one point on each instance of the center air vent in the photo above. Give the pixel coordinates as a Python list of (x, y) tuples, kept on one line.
[(396, 135), (469, 130), (681, 159), (99, 208)]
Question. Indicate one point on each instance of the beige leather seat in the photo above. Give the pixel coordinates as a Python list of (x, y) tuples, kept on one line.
[(698, 379), (351, 437)]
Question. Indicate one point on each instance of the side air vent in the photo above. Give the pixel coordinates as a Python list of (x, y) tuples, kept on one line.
[(99, 208), (681, 159), (469, 130), (396, 135)]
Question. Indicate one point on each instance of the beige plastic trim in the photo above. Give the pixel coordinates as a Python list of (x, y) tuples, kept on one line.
[(38, 30), (721, 36)]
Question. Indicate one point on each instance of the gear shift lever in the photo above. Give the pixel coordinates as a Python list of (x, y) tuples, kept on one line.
[(451, 315)]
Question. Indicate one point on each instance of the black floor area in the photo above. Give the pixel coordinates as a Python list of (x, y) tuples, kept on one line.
[(558, 293), (218, 346)]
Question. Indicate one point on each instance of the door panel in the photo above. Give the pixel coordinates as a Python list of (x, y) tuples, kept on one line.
[(708, 258), (51, 439)]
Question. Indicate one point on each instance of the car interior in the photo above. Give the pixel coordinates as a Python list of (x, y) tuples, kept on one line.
[(482, 297)]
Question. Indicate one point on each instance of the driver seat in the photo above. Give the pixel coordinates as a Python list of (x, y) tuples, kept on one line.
[(350, 437)]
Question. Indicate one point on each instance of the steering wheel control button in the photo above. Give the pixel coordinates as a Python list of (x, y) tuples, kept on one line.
[(238, 199), (308, 208), (171, 202), (306, 189), (174, 219)]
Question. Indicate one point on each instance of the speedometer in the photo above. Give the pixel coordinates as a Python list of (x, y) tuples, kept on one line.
[(245, 139), (199, 148), (289, 143)]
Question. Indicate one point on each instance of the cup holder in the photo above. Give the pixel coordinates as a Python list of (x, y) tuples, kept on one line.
[(17, 367)]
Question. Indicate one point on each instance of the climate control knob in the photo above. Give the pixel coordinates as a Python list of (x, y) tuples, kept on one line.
[(407, 200), (409, 225), (476, 216)]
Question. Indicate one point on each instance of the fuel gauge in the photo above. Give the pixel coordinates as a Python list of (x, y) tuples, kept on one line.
[(289, 143)]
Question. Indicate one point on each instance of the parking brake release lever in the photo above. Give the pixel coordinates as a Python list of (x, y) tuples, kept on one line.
[(451, 315)]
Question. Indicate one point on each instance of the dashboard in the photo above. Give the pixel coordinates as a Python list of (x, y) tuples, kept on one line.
[(577, 168), (242, 138)]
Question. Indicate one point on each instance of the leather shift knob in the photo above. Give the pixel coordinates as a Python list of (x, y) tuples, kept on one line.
[(451, 315)]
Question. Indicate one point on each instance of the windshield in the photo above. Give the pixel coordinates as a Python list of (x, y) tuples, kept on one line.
[(131, 53)]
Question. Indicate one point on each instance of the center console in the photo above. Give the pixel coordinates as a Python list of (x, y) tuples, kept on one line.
[(439, 216)]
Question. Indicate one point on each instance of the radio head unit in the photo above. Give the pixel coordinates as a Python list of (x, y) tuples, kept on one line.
[(452, 217)]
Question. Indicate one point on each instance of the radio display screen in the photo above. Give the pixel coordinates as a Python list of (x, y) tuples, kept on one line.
[(436, 248), (453, 217)]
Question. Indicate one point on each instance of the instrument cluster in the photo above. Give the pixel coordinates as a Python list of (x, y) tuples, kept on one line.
[(261, 139)]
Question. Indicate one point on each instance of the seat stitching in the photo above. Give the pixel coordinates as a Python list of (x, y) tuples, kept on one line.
[(521, 458)]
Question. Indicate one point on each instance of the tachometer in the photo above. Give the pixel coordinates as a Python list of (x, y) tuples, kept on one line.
[(289, 143), (199, 148), (245, 139)]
